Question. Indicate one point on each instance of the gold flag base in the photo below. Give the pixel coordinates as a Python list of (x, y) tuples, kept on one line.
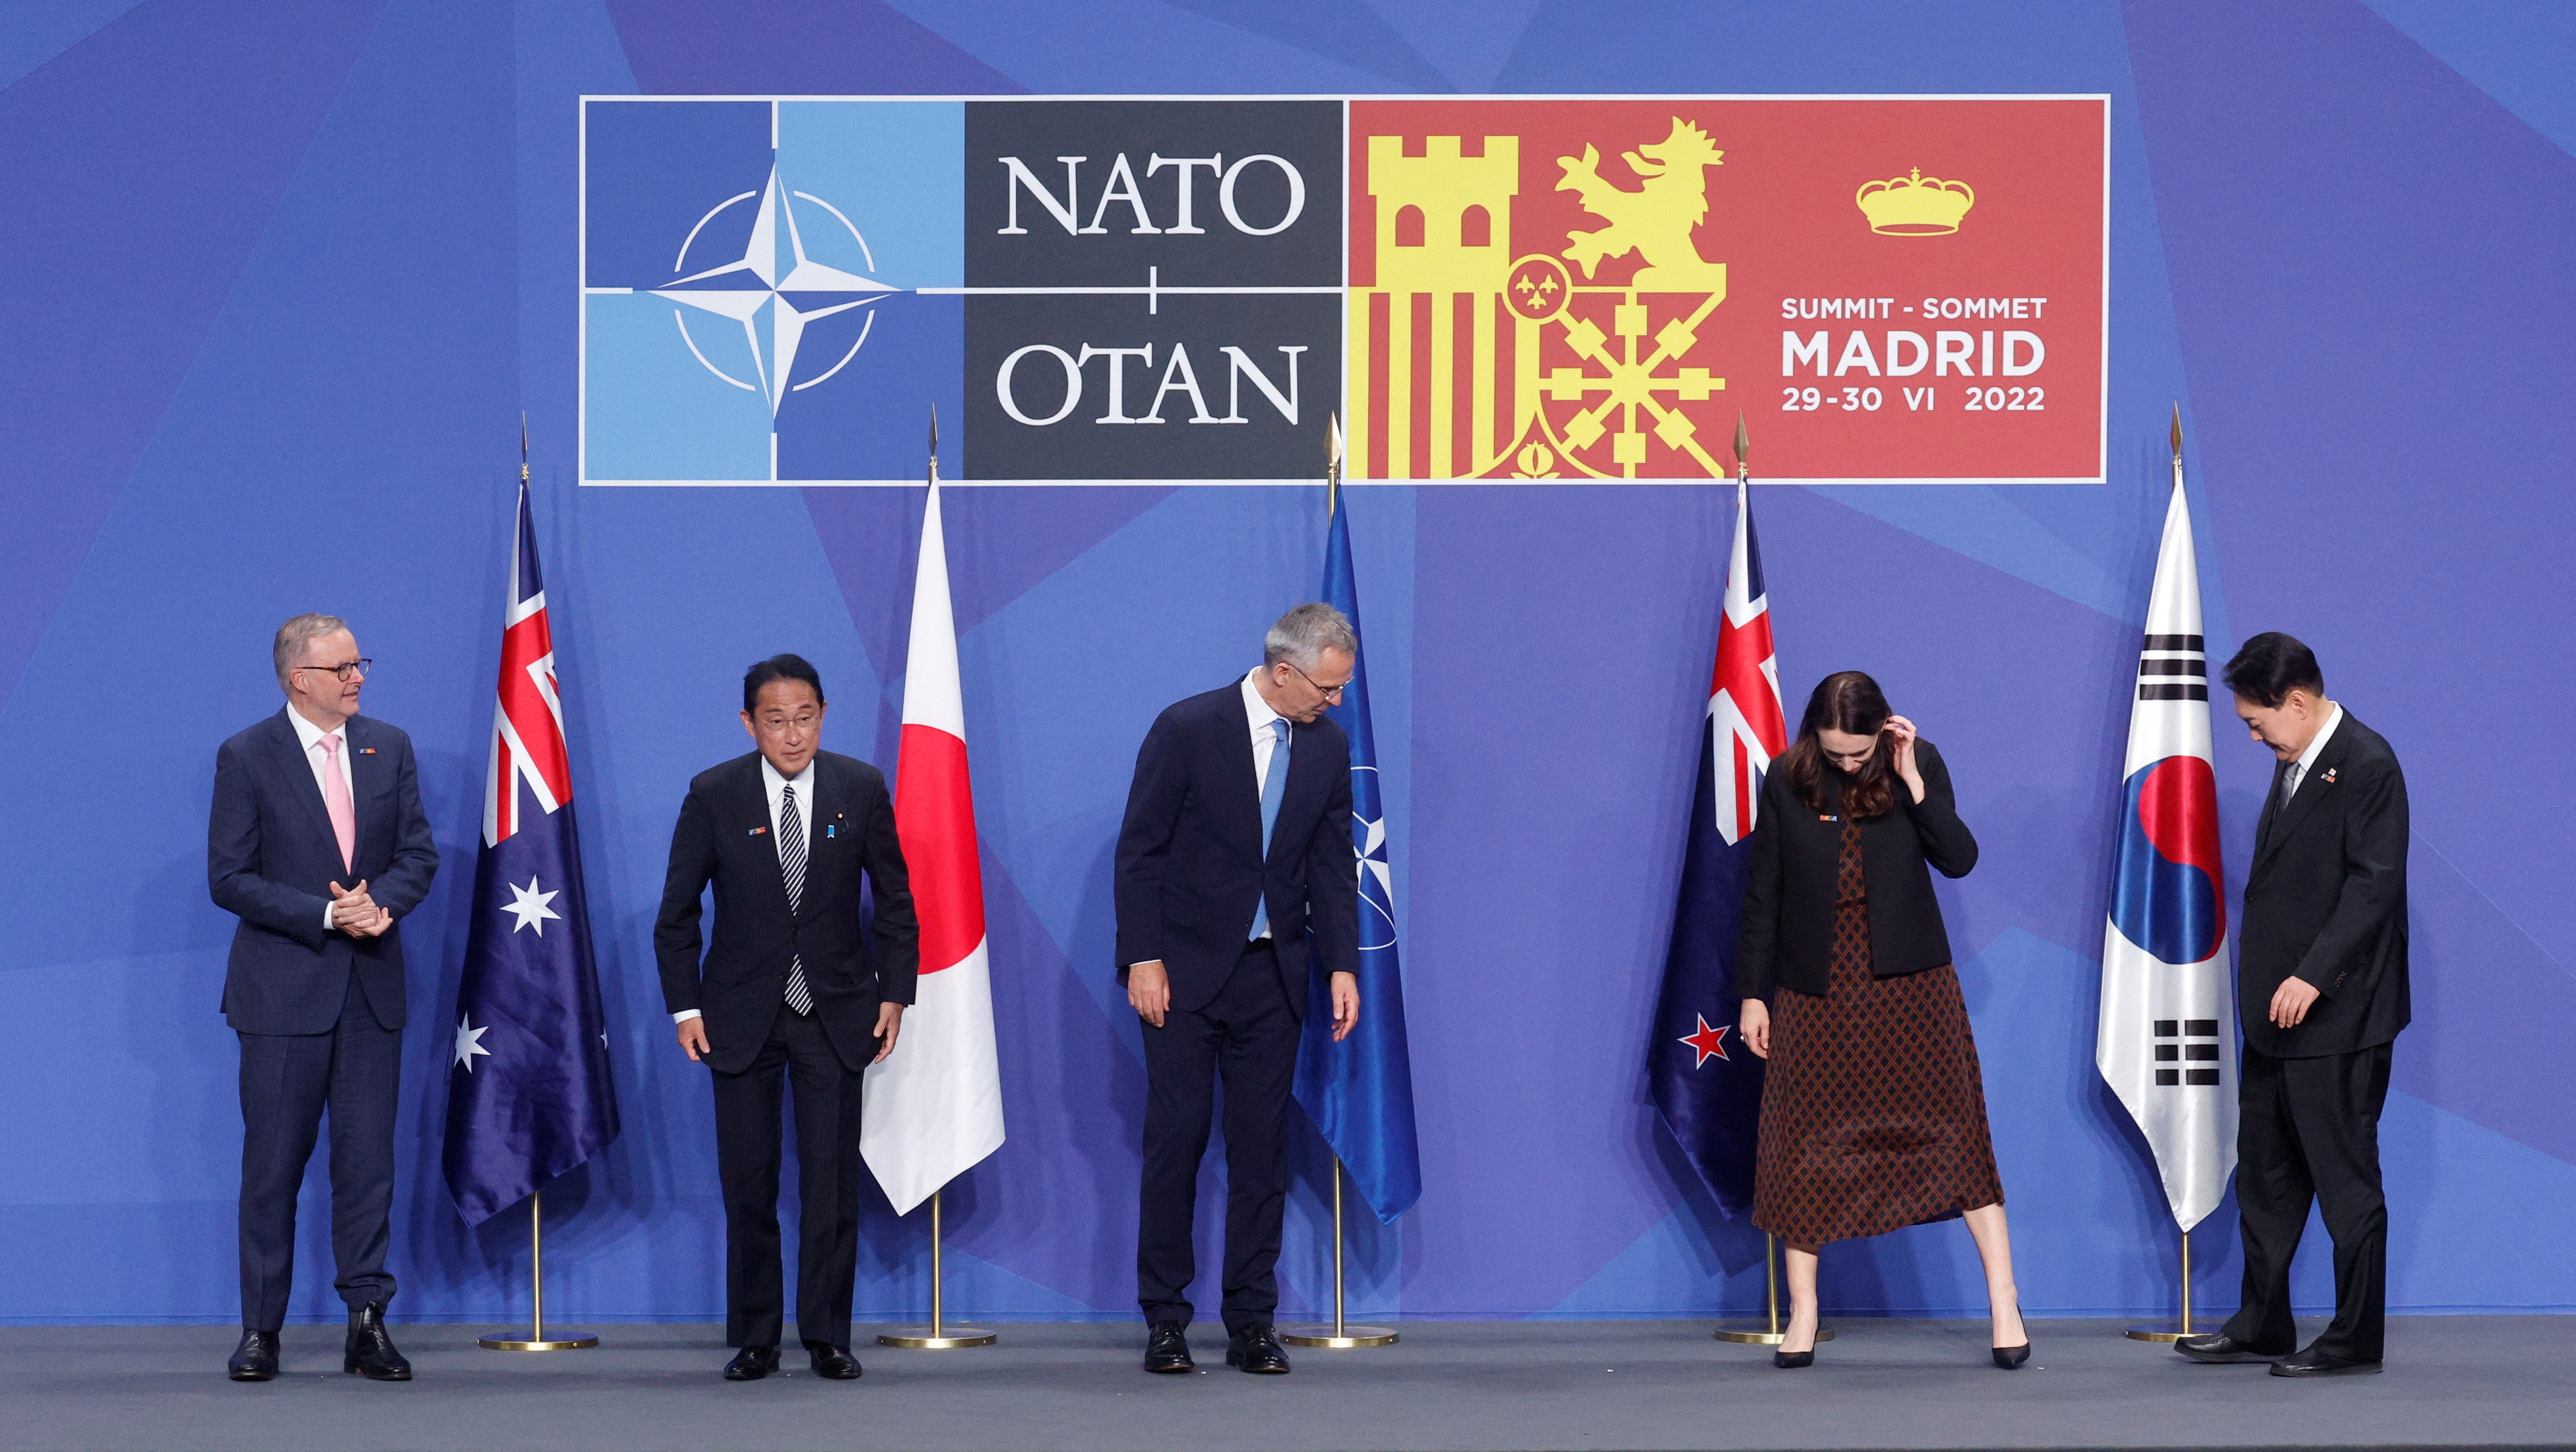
[(536, 1339), (1770, 1335), (937, 1338), (1338, 1337), (938, 1335), (504, 1343), (2169, 1335)]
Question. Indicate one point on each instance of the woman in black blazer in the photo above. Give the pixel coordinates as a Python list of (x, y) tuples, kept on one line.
[(1874, 1112)]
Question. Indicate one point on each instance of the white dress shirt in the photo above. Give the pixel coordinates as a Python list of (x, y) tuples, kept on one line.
[(320, 760), (2308, 758), (1265, 741), (776, 787)]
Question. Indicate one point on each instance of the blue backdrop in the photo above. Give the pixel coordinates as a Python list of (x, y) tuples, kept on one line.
[(282, 276)]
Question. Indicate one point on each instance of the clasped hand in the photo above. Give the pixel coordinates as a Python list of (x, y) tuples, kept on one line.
[(355, 913)]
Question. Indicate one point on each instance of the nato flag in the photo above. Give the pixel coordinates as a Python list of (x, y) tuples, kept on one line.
[(528, 1089), (1359, 1092)]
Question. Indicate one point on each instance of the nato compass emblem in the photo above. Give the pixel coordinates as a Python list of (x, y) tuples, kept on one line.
[(772, 292)]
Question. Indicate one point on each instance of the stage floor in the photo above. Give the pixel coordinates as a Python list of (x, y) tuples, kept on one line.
[(2452, 1381)]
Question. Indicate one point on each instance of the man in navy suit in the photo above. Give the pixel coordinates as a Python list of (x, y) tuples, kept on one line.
[(317, 842), (1234, 863), (790, 990), (2322, 993)]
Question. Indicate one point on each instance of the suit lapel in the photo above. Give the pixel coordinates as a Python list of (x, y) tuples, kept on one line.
[(1234, 751), (831, 795), (300, 785), (2286, 816), (366, 781), (751, 803)]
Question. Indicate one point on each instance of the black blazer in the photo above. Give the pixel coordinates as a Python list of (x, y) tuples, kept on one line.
[(1190, 866), (2326, 901), (1792, 877), (723, 837), (271, 858)]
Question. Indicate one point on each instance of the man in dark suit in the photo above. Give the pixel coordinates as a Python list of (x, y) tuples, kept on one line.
[(1234, 863), (317, 842), (2321, 972), (791, 988)]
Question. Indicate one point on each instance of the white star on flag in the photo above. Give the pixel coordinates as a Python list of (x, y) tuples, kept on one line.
[(469, 1041), (529, 906)]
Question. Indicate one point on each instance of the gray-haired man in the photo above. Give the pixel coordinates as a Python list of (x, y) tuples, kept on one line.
[(1234, 862)]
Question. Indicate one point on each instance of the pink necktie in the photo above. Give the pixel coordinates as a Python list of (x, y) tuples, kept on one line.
[(335, 800)]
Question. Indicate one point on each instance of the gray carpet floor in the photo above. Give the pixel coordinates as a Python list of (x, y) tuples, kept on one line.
[(1474, 1386)]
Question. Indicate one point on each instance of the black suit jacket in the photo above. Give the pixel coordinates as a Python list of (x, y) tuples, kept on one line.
[(2325, 901), (1190, 865), (723, 837), (1792, 876), (271, 858)]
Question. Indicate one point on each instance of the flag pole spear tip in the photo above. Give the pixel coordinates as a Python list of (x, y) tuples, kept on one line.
[(934, 431), (1333, 440), (523, 446), (2177, 433)]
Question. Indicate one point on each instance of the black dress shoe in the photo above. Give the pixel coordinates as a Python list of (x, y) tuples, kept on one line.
[(833, 1363), (2221, 1351), (1792, 1360), (1167, 1348), (370, 1351), (1256, 1349), (751, 1363), (2010, 1358), (255, 1359), (2313, 1362)]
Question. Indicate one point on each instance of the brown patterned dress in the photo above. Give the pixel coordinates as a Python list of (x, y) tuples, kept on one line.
[(1874, 1112)]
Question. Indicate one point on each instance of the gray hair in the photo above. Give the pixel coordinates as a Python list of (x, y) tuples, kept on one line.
[(295, 634), (1303, 635)]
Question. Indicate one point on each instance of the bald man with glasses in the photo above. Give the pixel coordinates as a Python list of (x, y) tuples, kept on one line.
[(318, 843)]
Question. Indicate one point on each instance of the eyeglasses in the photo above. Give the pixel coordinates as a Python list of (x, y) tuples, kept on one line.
[(360, 667), (1330, 693), (780, 725)]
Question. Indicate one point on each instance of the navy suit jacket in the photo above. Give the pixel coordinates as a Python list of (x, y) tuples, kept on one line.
[(723, 836), (1190, 865), (271, 858), (2325, 901)]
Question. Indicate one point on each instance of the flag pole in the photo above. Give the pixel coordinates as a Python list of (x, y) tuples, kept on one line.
[(1341, 1335), (2151, 1333), (536, 1339), (938, 1335)]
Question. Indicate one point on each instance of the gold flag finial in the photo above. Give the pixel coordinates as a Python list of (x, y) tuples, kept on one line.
[(2177, 433), (523, 446), (1743, 445), (934, 443)]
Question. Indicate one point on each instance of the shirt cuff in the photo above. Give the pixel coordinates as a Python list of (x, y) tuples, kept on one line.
[(326, 917), (684, 1015)]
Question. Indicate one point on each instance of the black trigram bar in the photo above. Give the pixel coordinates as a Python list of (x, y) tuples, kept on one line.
[(2173, 666), (2177, 1053), (2175, 642), (2173, 691)]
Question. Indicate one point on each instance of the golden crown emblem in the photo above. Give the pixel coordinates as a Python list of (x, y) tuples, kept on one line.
[(1915, 206)]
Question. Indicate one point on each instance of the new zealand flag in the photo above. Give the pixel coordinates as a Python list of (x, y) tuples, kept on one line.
[(528, 1089), (1707, 1085)]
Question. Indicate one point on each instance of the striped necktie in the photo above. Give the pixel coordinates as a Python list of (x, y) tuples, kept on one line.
[(791, 864)]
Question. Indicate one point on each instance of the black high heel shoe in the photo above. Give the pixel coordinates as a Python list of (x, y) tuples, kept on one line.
[(2010, 1358), (1792, 1360)]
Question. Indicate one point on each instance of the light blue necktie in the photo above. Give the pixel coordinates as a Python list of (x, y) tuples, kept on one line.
[(1273, 787)]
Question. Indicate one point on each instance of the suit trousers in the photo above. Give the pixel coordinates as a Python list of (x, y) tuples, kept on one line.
[(749, 1135), (1247, 1037), (2308, 1130), (287, 1080)]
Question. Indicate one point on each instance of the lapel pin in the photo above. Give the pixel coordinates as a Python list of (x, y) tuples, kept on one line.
[(366, 751), (757, 832), (2330, 771)]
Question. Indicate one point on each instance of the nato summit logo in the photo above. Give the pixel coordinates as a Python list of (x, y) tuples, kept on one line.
[(779, 291), (771, 290)]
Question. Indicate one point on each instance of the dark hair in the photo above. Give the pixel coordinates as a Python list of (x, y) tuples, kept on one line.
[(778, 668), (1844, 701), (2272, 665)]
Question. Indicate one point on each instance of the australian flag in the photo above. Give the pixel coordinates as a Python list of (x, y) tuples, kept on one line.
[(1707, 1085), (1359, 1092), (528, 1090)]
